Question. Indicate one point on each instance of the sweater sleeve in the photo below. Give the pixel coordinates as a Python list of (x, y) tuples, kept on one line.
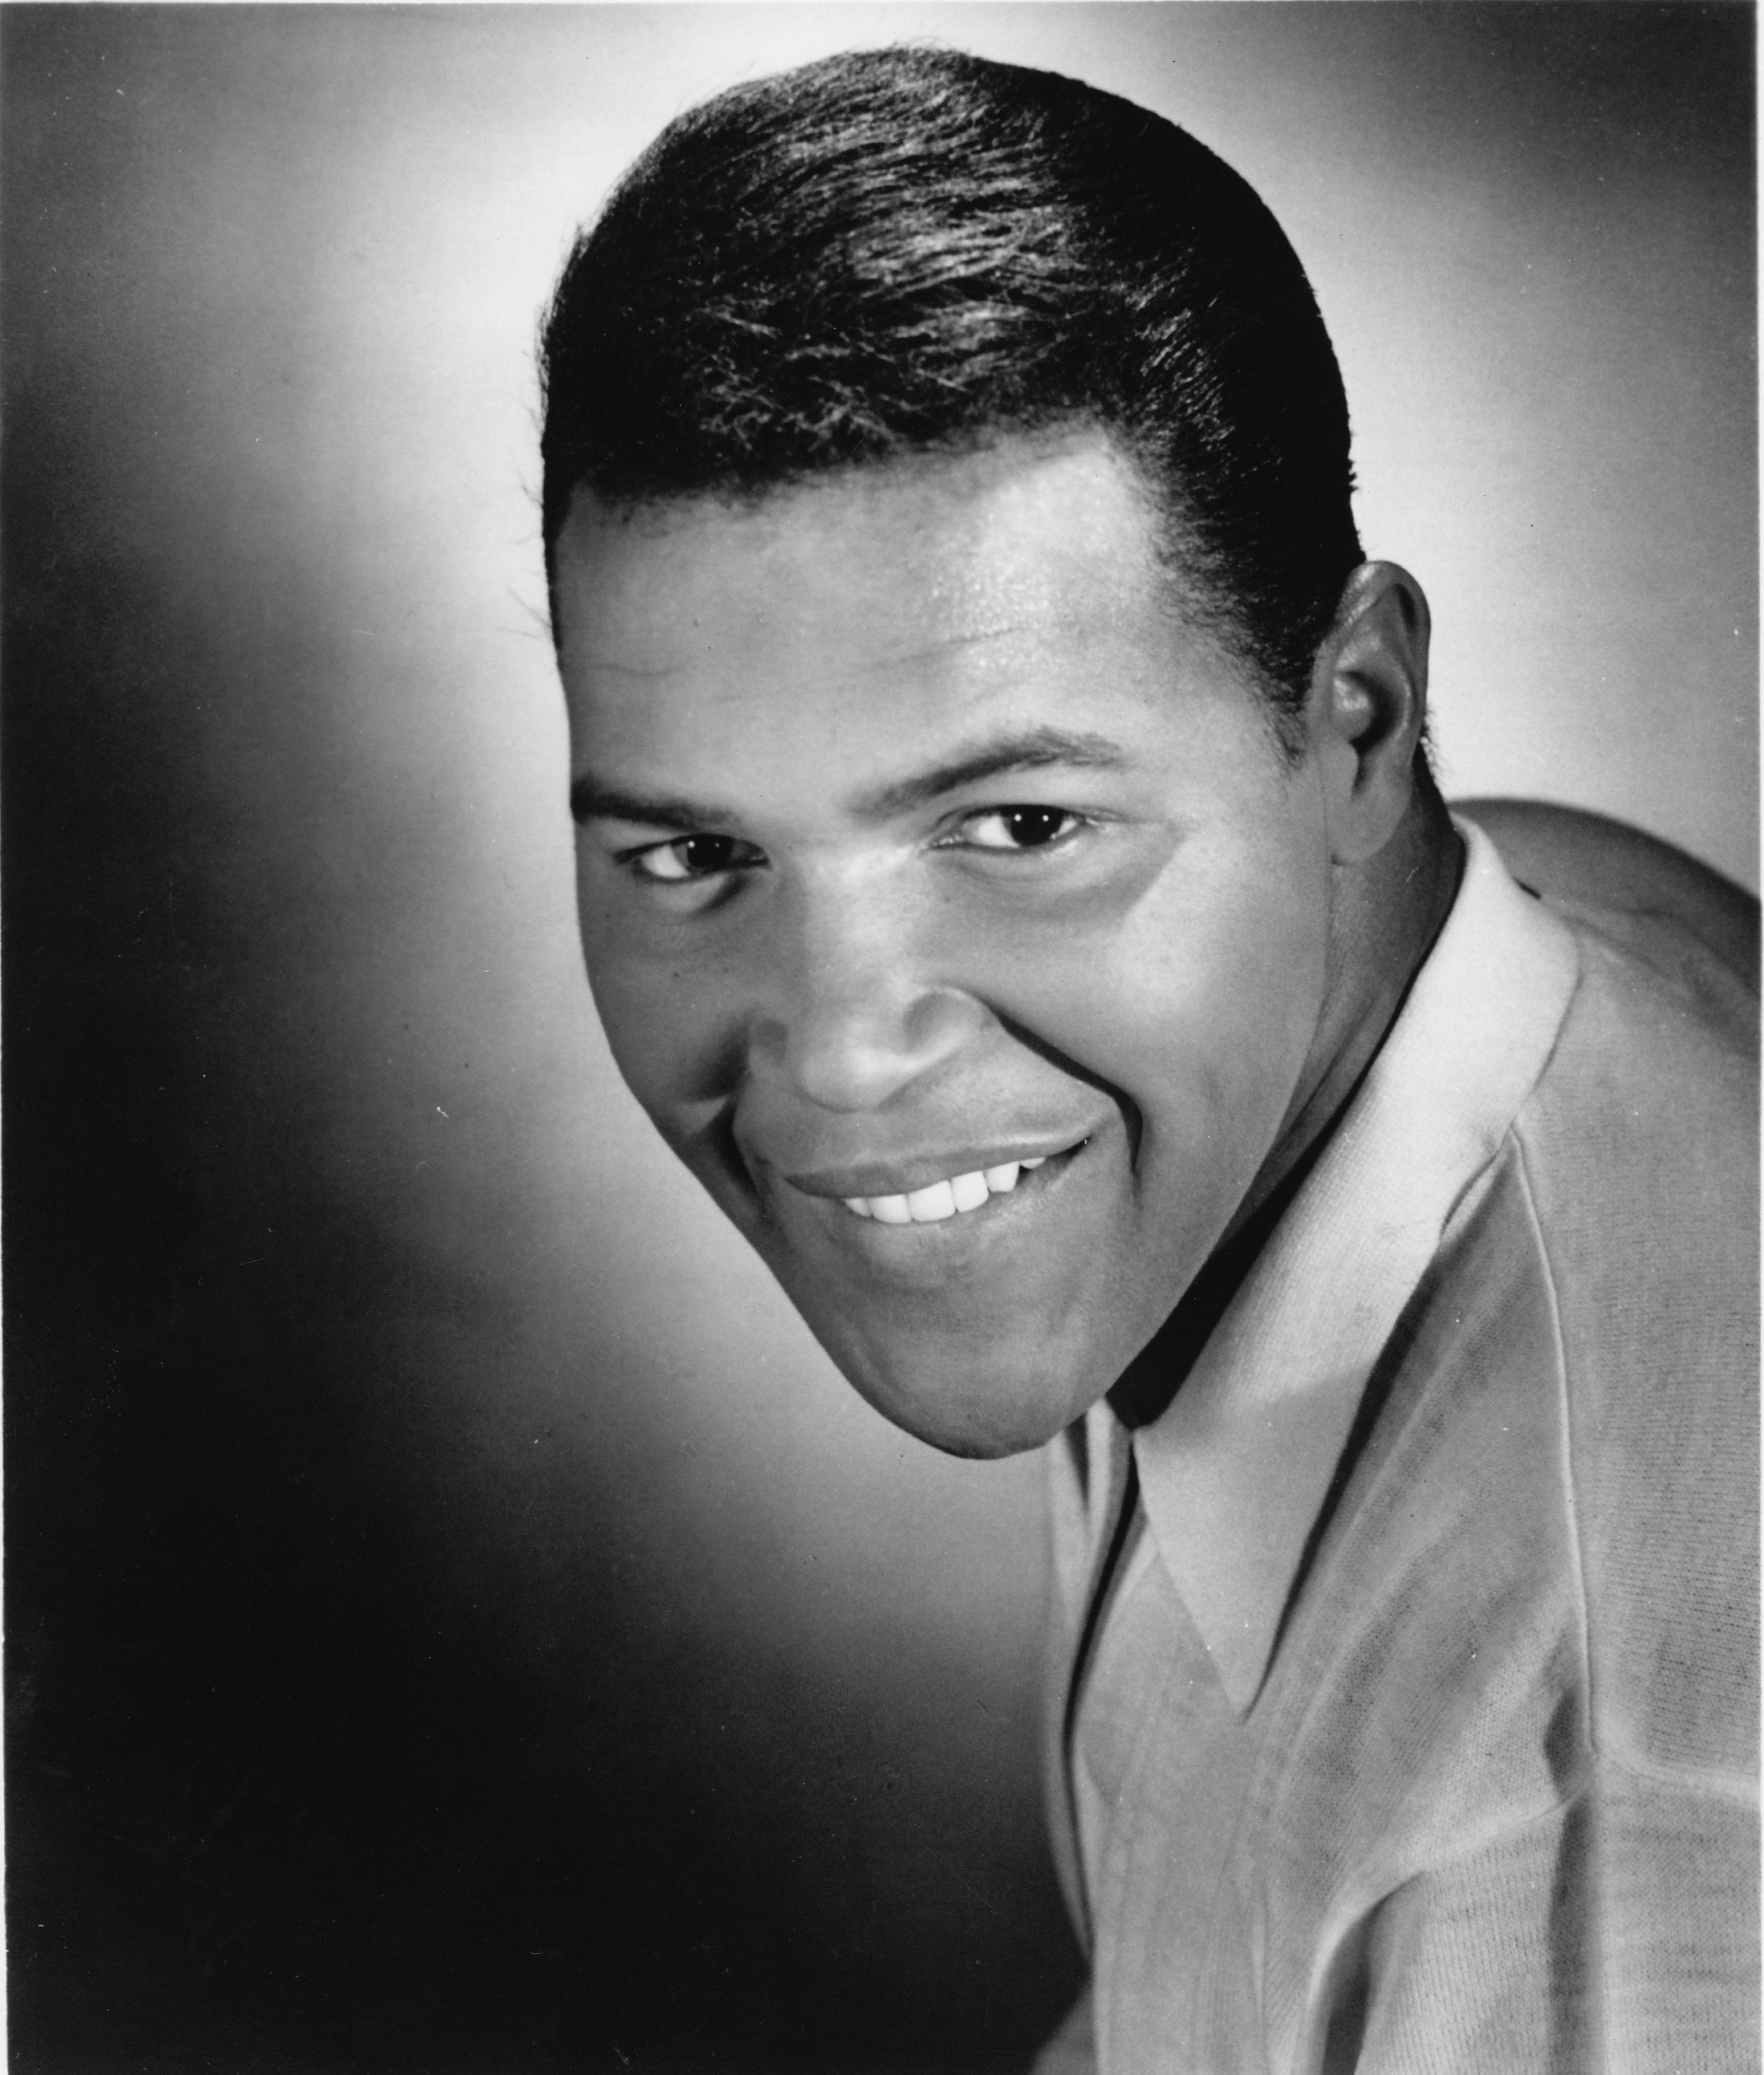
[(1618, 1934)]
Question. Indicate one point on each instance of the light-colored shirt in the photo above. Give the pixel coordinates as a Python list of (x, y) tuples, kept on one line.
[(1418, 1729)]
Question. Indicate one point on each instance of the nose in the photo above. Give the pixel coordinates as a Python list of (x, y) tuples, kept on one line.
[(853, 1017)]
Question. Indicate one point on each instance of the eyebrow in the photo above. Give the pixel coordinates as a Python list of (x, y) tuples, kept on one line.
[(590, 801), (1036, 749)]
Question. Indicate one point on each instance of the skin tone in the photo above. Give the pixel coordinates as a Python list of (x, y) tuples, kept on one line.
[(919, 836)]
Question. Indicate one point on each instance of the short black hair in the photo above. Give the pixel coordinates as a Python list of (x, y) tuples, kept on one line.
[(912, 250)]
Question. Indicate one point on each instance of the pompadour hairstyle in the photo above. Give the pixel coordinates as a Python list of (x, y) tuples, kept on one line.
[(908, 252)]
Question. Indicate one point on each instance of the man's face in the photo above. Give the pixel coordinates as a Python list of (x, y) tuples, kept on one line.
[(919, 843)]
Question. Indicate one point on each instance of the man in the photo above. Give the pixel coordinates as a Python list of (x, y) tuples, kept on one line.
[(1012, 879)]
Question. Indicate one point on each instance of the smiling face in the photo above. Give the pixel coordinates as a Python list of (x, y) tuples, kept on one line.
[(920, 843)]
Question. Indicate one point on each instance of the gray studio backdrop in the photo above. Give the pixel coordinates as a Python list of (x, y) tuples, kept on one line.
[(522, 1494)]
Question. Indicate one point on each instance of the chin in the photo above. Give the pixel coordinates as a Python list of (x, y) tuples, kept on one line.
[(982, 1417)]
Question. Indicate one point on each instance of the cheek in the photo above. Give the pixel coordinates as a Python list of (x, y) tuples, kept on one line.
[(671, 1035), (1246, 981), (668, 1041), (1199, 1006), (1231, 964), (1244, 1034)]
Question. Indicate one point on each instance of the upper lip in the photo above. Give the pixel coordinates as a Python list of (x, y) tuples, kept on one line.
[(901, 1174)]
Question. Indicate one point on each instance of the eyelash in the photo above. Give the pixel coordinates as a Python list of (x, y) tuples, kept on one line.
[(642, 863), (1069, 816)]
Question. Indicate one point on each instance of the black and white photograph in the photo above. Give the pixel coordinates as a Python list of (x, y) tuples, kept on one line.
[(880, 985)]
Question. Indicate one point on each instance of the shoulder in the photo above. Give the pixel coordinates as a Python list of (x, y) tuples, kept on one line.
[(1588, 861), (1664, 1028), (1638, 1145), (1639, 1149), (1641, 1135), (1637, 1163)]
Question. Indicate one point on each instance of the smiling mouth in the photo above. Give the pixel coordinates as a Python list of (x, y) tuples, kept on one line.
[(957, 1195)]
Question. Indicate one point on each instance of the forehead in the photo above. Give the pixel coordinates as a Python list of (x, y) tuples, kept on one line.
[(1025, 532), (1015, 586)]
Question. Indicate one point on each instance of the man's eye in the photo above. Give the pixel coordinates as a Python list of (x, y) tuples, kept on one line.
[(691, 857), (1019, 828)]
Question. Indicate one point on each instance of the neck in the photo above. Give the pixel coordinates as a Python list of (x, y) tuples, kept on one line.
[(1388, 913)]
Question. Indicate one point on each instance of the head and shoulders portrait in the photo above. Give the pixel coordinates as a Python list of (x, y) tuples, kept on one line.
[(883, 1154)]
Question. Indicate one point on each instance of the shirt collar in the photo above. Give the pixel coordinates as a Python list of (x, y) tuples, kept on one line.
[(1235, 1473)]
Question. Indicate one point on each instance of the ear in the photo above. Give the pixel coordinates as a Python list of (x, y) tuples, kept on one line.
[(1367, 705)]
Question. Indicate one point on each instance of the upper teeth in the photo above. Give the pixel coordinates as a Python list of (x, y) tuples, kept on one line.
[(942, 1199)]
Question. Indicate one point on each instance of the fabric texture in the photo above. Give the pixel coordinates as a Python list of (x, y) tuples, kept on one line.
[(1417, 1726)]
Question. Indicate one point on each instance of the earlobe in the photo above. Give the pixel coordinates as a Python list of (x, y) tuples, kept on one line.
[(1370, 702)]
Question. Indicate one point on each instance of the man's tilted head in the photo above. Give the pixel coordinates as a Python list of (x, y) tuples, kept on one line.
[(1000, 849)]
